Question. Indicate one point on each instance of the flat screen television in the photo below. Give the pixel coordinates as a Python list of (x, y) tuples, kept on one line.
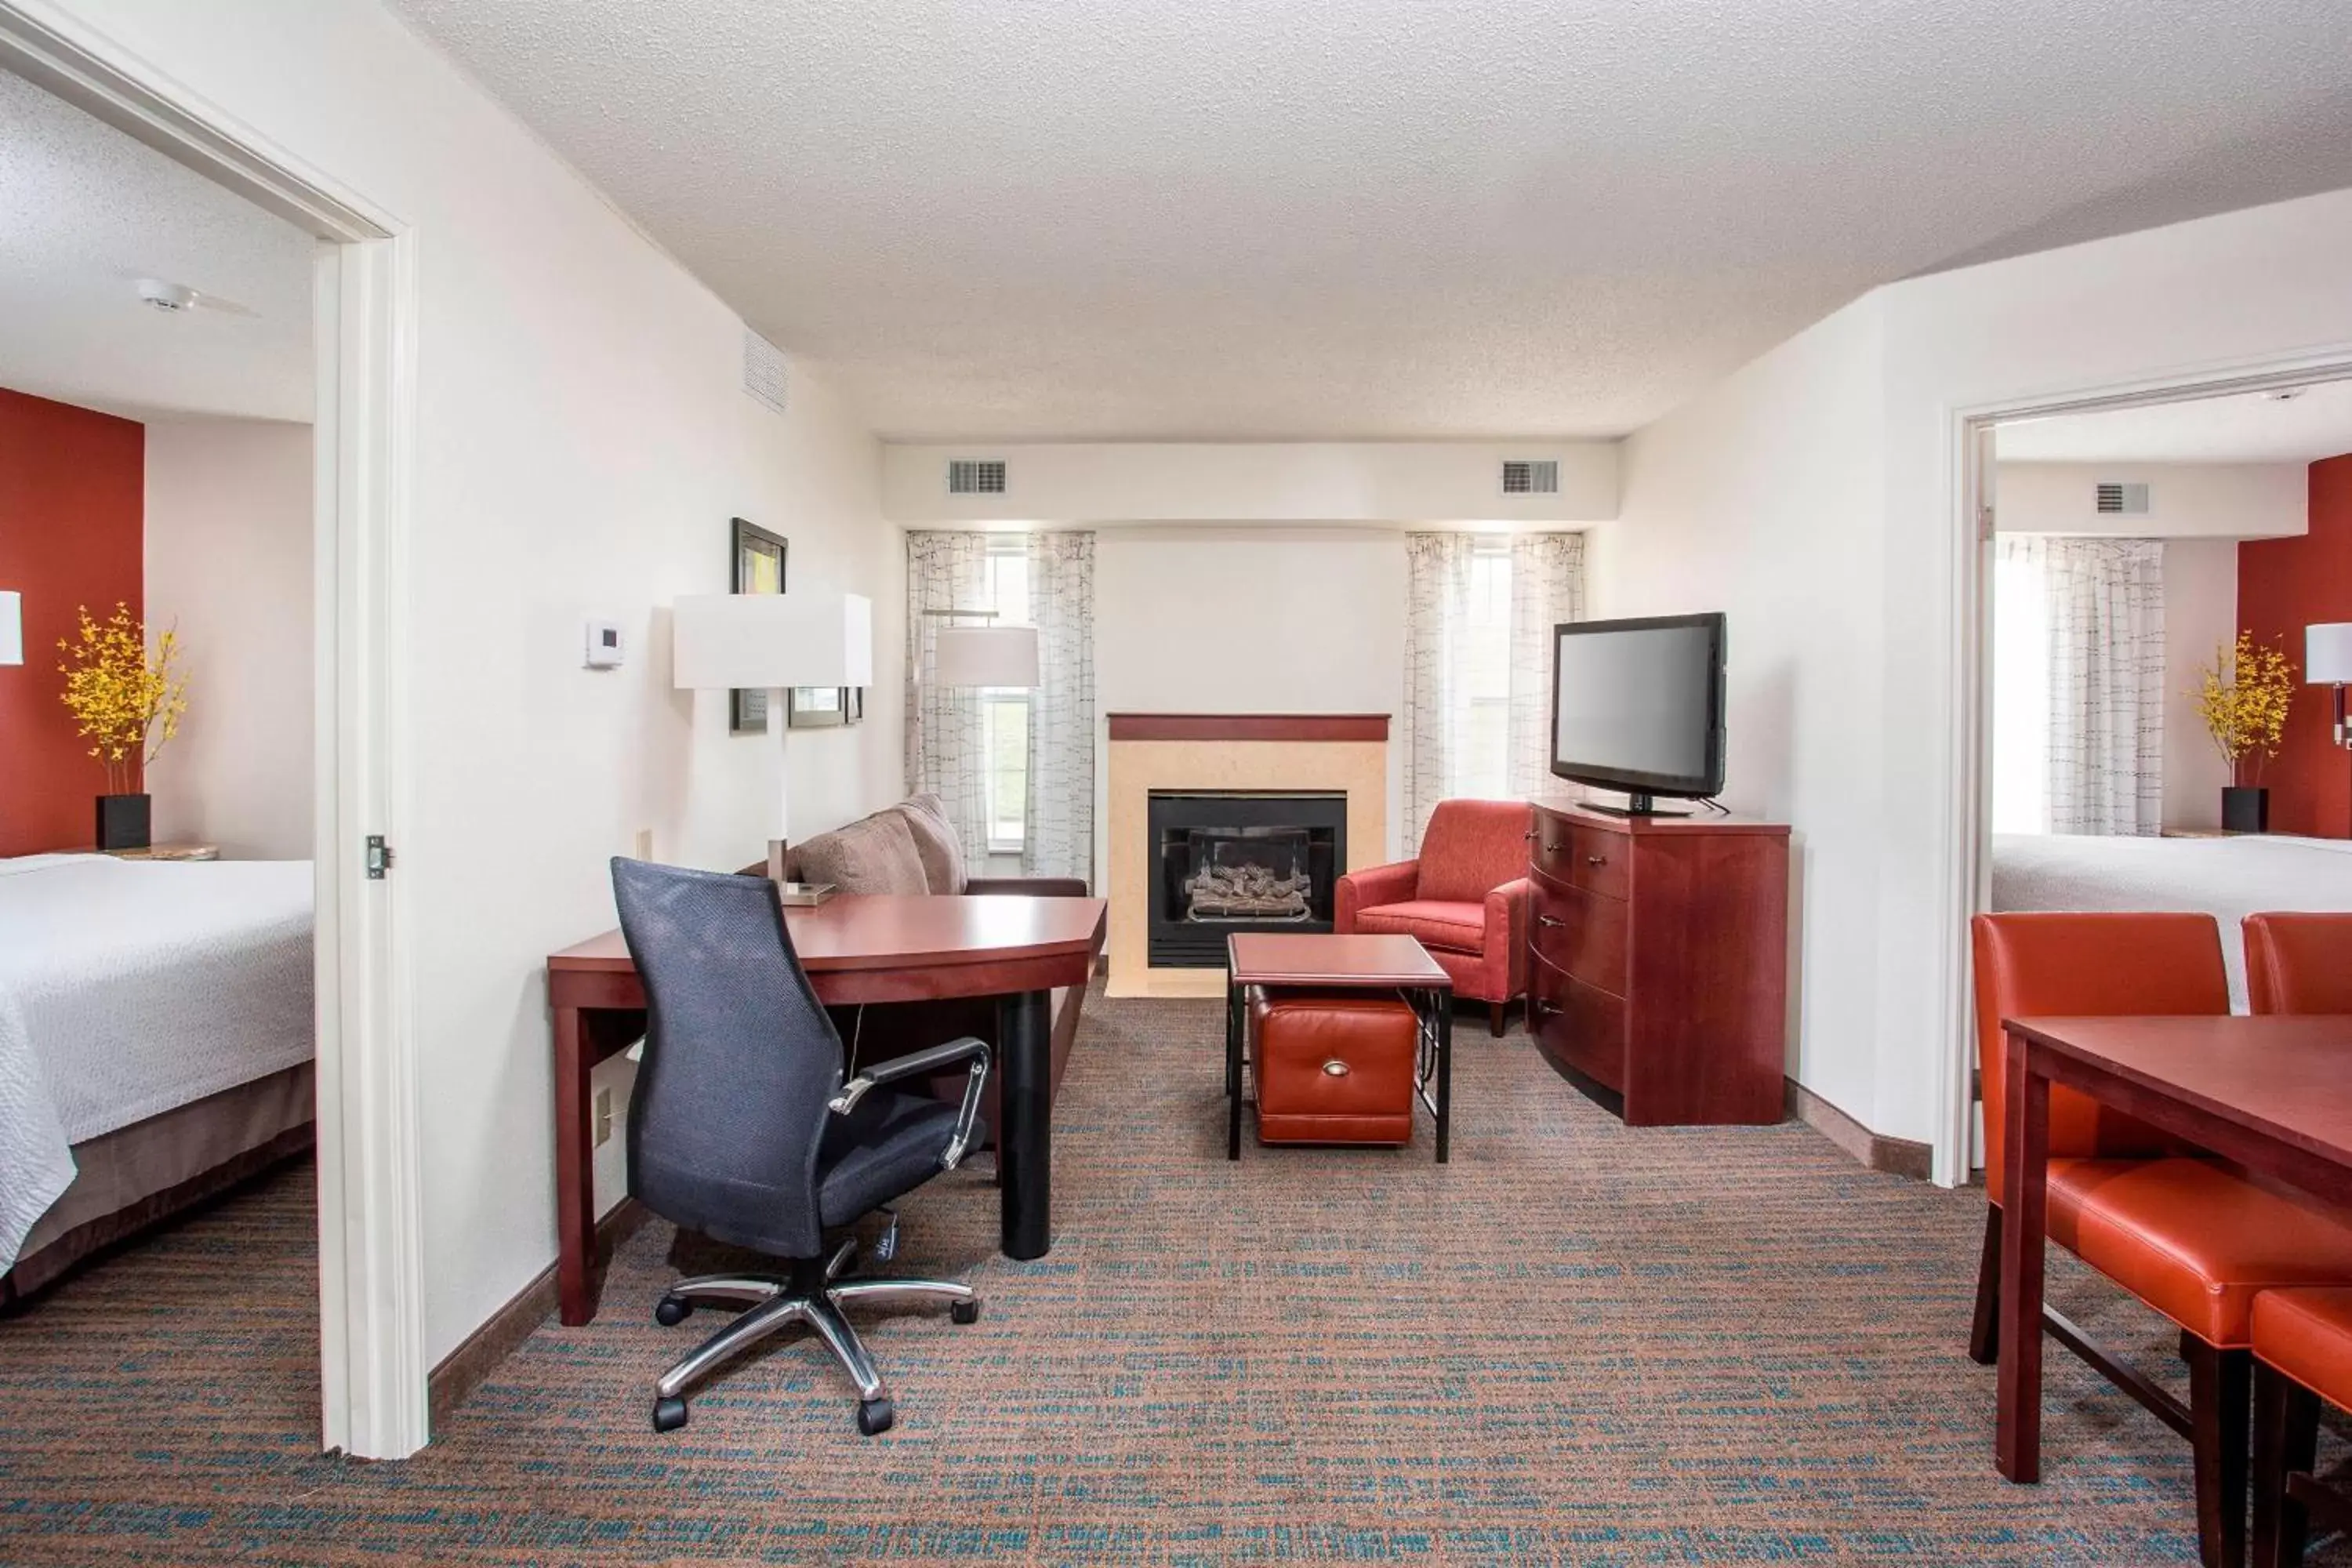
[(1637, 706)]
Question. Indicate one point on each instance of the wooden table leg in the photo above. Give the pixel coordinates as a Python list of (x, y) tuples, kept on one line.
[(1024, 1149), (576, 1172), (1445, 1010), (2025, 1212)]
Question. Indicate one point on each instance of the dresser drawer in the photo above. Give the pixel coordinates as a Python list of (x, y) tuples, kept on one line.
[(1581, 855), (1581, 933), (1578, 1024)]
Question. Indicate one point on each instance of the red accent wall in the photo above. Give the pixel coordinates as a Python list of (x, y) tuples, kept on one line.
[(72, 508), (2284, 586)]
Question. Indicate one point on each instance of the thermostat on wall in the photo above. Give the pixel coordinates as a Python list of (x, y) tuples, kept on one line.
[(604, 650)]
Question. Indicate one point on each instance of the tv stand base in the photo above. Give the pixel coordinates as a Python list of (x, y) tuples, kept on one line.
[(1635, 805)]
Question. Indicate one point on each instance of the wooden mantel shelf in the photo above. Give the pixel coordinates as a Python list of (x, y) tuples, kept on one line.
[(1249, 726)]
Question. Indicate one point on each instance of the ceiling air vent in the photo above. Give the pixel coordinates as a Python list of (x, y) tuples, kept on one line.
[(975, 476), (763, 371), (2122, 501), (1523, 477)]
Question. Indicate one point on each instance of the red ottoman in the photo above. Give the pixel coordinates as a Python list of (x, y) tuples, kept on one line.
[(1332, 1066)]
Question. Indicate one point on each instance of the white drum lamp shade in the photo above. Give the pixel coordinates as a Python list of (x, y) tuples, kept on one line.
[(771, 641), (12, 628), (2328, 653), (987, 656)]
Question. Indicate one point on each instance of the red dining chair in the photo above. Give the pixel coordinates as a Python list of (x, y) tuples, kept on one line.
[(2191, 1240), (2303, 1354), (2299, 963)]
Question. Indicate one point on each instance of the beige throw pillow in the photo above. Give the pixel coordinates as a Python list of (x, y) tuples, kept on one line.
[(874, 855), (935, 842)]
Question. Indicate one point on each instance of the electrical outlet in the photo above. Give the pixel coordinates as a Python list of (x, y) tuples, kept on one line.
[(604, 1117), (644, 846)]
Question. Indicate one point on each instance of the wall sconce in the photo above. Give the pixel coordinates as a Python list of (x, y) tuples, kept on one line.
[(12, 628)]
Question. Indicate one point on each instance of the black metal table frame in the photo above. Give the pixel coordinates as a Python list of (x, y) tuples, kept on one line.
[(1433, 1011)]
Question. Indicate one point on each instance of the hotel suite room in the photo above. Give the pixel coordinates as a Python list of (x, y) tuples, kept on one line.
[(1240, 1058)]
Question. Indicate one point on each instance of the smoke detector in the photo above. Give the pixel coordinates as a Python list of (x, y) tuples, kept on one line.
[(2286, 393), (178, 299)]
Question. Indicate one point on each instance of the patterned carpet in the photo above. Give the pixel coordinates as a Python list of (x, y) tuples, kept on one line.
[(1577, 1344)]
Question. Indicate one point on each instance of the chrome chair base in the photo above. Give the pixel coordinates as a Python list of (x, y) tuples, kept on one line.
[(773, 1303)]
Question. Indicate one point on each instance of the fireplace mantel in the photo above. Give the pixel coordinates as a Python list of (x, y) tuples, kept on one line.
[(1249, 726)]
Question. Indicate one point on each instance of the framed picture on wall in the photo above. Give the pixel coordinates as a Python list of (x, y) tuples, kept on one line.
[(759, 568), (817, 707)]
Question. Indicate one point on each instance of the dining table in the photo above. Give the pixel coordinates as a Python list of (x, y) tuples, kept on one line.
[(2272, 1093)]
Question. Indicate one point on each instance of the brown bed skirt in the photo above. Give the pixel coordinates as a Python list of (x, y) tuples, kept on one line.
[(135, 1177)]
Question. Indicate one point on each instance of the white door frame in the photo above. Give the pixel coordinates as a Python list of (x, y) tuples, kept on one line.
[(1971, 868), (372, 1370)]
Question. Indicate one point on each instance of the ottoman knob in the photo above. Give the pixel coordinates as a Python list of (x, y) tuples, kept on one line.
[(1335, 1067)]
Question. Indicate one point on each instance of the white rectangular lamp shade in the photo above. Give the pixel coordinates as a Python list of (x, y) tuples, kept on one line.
[(12, 628), (987, 656), (770, 641), (2328, 653)]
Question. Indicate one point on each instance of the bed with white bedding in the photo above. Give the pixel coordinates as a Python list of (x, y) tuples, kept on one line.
[(2228, 877), (129, 993)]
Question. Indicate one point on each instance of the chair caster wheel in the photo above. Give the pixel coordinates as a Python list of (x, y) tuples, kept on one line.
[(672, 1311), (875, 1416), (964, 1311), (670, 1414)]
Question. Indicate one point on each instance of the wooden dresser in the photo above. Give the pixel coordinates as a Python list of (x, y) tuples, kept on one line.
[(1660, 960)]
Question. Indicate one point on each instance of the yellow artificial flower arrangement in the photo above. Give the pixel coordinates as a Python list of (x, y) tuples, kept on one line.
[(2243, 700), (119, 695)]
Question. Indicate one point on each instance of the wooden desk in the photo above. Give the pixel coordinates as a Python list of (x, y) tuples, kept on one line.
[(1362, 961), (2272, 1093), (855, 949)]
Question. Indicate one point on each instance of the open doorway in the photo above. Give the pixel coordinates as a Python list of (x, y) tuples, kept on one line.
[(2149, 565), (331, 281)]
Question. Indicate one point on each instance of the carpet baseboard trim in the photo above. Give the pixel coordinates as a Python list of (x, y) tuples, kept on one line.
[(477, 1355), (1896, 1156)]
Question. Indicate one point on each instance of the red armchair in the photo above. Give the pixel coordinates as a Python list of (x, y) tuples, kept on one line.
[(1465, 897)]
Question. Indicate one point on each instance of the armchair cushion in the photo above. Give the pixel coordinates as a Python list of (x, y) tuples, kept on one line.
[(1471, 847), (1461, 928), (873, 855), (1375, 885), (935, 844)]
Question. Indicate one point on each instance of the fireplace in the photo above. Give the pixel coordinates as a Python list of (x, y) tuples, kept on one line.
[(1222, 861)]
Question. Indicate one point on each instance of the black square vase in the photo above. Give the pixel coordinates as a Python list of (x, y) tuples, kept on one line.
[(122, 822), (2246, 810)]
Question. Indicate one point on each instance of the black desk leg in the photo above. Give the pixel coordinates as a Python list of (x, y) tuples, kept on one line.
[(1232, 1069), (1443, 1008), (1024, 1142)]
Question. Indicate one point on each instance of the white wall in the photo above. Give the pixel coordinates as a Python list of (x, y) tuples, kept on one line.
[(2200, 614), (1872, 789), (1262, 620), (582, 440), (1762, 499), (228, 565), (2212, 501), (1207, 482)]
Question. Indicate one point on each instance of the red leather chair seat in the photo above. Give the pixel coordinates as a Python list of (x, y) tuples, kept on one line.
[(2193, 1240), (1437, 922), (1296, 1035), (2308, 1334)]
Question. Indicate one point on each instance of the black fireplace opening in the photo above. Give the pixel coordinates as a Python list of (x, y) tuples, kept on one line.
[(1222, 861)]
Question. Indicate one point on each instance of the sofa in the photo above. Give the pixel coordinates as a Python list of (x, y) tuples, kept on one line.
[(1464, 897), (911, 848)]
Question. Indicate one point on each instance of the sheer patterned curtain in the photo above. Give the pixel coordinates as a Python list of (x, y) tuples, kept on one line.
[(1437, 709), (1547, 588), (946, 750), (1058, 838), (2102, 604)]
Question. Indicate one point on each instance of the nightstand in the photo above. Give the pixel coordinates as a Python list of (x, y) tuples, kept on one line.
[(169, 852)]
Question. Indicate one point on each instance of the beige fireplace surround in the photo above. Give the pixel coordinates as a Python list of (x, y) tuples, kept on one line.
[(1344, 754)]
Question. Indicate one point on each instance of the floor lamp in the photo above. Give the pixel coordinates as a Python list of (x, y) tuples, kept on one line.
[(726, 642)]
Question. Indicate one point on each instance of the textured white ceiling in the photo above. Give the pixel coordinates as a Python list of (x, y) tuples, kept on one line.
[(2251, 427), (1380, 218), (85, 212)]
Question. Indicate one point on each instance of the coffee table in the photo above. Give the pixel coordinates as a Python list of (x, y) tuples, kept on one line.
[(1398, 963)]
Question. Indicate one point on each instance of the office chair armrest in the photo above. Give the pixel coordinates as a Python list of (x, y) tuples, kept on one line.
[(922, 1064)]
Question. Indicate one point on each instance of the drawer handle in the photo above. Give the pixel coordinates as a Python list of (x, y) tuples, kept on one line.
[(1529, 834), (1549, 848), (1335, 1067), (1548, 921), (1596, 859)]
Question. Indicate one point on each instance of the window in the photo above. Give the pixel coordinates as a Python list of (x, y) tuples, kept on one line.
[(1483, 765), (1004, 710), (2020, 692)]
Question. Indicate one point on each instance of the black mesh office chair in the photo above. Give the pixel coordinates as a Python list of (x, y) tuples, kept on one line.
[(740, 1126)]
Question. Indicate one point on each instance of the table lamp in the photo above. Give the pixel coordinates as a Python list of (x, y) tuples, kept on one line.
[(12, 628), (2327, 661), (772, 642)]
